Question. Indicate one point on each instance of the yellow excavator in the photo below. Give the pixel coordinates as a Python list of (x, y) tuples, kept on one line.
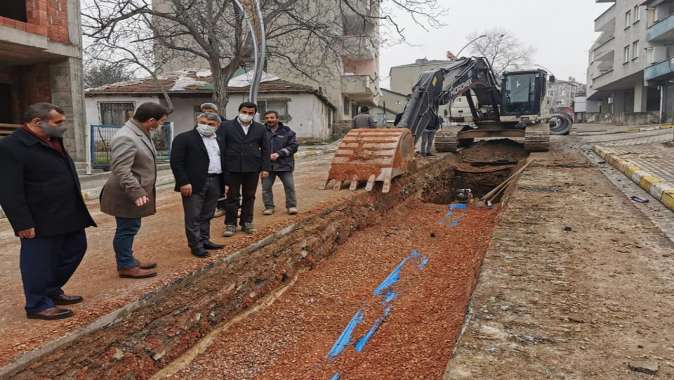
[(517, 108)]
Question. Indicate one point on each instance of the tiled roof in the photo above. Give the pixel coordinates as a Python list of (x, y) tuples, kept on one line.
[(192, 82)]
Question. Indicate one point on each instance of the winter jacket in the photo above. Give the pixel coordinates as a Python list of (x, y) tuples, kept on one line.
[(284, 142)]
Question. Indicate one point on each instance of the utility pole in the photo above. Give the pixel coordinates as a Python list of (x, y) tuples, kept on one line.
[(252, 12)]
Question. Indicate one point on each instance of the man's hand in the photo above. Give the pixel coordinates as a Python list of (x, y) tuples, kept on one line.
[(186, 190), (27, 234), (142, 201), (264, 174), (275, 156)]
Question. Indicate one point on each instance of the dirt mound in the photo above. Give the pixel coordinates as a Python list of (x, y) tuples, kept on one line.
[(490, 152)]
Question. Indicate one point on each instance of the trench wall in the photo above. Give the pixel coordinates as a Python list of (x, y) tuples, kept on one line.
[(142, 339)]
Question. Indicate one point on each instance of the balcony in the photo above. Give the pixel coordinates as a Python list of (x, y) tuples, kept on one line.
[(606, 20), (662, 32), (359, 87), (359, 47), (660, 71)]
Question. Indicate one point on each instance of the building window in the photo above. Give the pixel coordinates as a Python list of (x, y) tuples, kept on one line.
[(637, 14), (116, 113), (650, 56), (628, 19), (627, 54), (635, 49), (278, 105), (347, 107), (14, 9)]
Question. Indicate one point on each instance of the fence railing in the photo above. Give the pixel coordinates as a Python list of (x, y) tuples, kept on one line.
[(100, 138)]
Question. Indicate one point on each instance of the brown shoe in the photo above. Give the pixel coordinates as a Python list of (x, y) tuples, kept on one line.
[(145, 265), (51, 314), (136, 272), (66, 300)]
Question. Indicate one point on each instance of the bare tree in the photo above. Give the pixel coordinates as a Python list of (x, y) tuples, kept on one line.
[(215, 31), (100, 74), (502, 49)]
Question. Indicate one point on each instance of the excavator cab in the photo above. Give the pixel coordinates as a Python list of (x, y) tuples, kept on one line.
[(523, 92)]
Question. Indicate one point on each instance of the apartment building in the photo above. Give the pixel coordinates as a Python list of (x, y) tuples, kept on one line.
[(660, 71), (621, 75), (348, 82), (41, 61)]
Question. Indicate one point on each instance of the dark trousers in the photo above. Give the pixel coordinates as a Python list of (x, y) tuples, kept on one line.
[(47, 263), (122, 243), (288, 186), (241, 186), (199, 209), (427, 137)]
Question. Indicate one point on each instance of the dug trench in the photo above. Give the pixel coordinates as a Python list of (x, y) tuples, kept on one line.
[(278, 308)]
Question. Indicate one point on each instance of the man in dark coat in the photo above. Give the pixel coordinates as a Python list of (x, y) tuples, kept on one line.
[(246, 152), (213, 108), (42, 199), (283, 145), (196, 162)]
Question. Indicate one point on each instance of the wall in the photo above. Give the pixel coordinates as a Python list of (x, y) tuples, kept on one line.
[(403, 78), (310, 119)]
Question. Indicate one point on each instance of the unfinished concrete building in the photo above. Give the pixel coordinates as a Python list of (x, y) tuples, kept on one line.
[(348, 82), (41, 61)]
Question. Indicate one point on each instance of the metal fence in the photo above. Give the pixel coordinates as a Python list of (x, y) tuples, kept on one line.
[(101, 137)]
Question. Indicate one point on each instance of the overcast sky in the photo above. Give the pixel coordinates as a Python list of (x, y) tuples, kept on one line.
[(561, 31)]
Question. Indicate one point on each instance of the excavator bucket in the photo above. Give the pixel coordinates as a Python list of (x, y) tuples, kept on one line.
[(371, 155)]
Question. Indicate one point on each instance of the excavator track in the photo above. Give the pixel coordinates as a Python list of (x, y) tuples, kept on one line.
[(537, 138)]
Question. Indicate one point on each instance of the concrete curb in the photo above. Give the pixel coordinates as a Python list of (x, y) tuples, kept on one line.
[(654, 185)]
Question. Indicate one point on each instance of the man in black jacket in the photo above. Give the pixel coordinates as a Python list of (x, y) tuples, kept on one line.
[(283, 145), (212, 108), (196, 162), (246, 158), (42, 199)]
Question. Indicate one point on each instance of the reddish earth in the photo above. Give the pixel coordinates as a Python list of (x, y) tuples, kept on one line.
[(291, 338), (161, 239)]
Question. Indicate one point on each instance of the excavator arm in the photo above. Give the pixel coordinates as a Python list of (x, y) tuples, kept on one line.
[(444, 85)]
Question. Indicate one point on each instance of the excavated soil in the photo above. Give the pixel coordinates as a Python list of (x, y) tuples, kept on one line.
[(291, 338), (494, 152)]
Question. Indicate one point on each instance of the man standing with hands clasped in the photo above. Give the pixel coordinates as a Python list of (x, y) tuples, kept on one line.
[(41, 196), (283, 145), (130, 193), (196, 162), (246, 150)]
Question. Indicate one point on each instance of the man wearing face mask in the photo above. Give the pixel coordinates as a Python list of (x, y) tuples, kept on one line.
[(247, 157), (41, 196), (196, 162), (130, 193)]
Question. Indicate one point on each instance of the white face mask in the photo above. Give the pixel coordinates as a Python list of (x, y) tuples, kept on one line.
[(205, 130), (245, 118)]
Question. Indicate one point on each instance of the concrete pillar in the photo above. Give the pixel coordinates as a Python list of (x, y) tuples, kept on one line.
[(66, 92), (640, 97)]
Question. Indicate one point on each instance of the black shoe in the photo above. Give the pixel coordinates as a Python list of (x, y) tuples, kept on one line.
[(51, 314), (209, 245), (248, 228), (66, 300), (200, 252)]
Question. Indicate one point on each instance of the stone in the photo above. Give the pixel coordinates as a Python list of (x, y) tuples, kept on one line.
[(118, 354), (645, 366)]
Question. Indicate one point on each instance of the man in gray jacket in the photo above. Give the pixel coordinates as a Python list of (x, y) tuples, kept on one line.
[(130, 193)]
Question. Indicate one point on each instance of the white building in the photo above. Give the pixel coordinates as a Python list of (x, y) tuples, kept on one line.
[(302, 107), (623, 68)]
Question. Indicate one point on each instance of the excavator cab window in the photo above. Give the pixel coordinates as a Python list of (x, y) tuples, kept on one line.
[(522, 93)]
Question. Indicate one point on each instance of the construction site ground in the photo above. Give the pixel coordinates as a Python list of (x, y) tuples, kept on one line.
[(576, 283)]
